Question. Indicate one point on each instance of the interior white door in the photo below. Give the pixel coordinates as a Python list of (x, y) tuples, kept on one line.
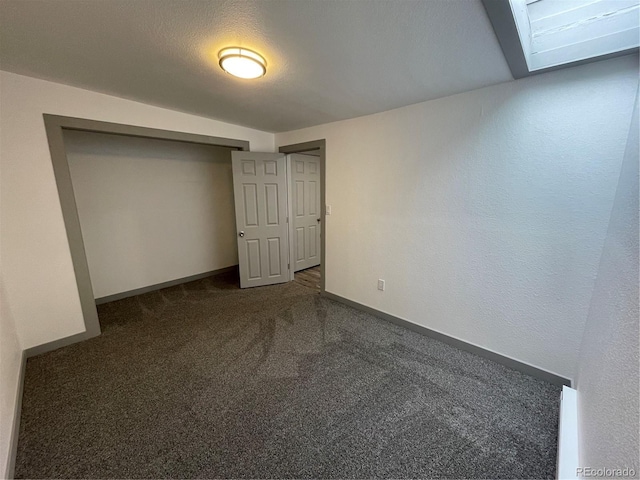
[(305, 176), (260, 193)]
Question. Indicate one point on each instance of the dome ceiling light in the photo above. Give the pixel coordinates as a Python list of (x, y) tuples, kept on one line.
[(242, 63)]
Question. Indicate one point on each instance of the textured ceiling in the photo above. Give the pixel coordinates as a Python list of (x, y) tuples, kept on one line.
[(327, 60)]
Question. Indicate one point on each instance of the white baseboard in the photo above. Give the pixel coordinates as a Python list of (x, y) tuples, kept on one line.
[(568, 459)]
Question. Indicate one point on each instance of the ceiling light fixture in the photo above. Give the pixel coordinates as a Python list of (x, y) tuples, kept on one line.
[(242, 63)]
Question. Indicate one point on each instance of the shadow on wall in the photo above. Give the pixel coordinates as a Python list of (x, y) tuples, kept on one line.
[(607, 380)]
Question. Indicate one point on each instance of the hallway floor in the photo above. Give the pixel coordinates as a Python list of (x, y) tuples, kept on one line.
[(309, 277)]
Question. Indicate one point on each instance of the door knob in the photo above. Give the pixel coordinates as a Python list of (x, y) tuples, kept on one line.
[(241, 234), (318, 220)]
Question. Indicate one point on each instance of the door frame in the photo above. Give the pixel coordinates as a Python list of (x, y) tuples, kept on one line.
[(306, 147), (55, 125)]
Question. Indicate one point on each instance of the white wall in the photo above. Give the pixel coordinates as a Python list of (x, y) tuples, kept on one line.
[(151, 210), (485, 212), (607, 380), (10, 364), (39, 298), (37, 270)]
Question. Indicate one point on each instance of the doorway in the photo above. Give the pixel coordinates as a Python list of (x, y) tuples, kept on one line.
[(305, 223), (55, 126), (307, 229), (279, 215), (153, 213)]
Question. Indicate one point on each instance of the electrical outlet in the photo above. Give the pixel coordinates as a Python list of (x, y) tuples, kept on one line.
[(381, 285), (328, 210)]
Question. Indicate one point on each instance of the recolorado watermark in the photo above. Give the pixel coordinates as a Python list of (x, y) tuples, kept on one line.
[(590, 472)]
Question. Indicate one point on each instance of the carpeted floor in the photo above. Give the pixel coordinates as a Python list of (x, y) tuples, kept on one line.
[(205, 380)]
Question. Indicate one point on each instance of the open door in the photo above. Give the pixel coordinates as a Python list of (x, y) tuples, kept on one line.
[(260, 193), (305, 178)]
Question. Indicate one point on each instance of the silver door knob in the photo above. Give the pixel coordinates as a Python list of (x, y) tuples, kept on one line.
[(241, 234)]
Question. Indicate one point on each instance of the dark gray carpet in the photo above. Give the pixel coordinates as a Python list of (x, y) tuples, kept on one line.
[(206, 380)]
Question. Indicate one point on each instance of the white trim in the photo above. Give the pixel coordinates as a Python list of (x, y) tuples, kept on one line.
[(568, 459), (552, 36), (521, 18), (290, 217)]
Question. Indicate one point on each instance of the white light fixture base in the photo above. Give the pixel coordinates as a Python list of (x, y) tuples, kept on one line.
[(242, 63)]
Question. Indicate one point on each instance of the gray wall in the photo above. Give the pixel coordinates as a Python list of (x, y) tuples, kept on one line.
[(151, 211), (607, 379)]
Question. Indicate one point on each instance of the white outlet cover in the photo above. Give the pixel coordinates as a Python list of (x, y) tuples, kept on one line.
[(328, 210), (381, 284)]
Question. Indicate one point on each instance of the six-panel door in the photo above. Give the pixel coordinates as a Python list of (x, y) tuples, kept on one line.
[(306, 211), (260, 193)]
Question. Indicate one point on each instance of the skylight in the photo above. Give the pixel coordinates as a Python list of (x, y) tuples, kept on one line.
[(560, 32)]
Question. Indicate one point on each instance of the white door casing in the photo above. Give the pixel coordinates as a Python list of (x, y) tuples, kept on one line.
[(260, 194), (305, 186)]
